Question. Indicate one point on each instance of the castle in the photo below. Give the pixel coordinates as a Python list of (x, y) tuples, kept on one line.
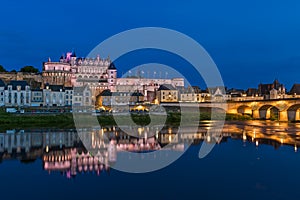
[(71, 71), (99, 74)]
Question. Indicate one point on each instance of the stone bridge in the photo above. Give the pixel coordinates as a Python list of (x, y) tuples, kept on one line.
[(286, 109)]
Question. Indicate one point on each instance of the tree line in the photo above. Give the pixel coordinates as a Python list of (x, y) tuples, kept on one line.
[(29, 69)]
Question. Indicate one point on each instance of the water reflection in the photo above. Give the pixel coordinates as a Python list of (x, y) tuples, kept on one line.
[(63, 151)]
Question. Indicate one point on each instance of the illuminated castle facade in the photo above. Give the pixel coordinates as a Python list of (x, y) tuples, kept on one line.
[(99, 74), (71, 71)]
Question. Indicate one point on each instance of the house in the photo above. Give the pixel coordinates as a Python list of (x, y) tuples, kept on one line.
[(167, 93), (108, 98), (218, 94), (82, 96), (193, 94), (252, 92), (265, 89), (53, 95), (17, 93), (68, 96), (37, 97), (104, 98)]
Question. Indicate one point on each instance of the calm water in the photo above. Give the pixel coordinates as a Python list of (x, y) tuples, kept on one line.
[(252, 160)]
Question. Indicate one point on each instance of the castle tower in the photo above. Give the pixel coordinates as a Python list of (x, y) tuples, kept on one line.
[(62, 58), (73, 58), (112, 76)]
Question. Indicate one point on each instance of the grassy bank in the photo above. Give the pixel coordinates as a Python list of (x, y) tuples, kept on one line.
[(65, 120)]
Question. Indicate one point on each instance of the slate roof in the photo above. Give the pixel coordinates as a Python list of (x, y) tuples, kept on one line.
[(137, 94), (14, 84), (36, 90), (295, 89), (251, 91), (264, 89), (106, 93), (166, 87), (192, 89), (80, 90), (68, 88), (2, 84), (212, 90), (112, 66), (55, 88)]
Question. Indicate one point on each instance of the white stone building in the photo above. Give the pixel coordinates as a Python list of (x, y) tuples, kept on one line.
[(218, 94), (194, 94), (37, 97), (54, 95), (68, 96), (17, 93)]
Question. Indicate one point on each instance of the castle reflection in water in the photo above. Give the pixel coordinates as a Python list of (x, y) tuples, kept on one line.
[(63, 150)]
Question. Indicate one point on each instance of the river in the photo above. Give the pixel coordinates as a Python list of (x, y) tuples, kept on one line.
[(246, 160)]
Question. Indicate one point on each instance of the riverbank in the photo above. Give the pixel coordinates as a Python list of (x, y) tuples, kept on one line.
[(66, 120)]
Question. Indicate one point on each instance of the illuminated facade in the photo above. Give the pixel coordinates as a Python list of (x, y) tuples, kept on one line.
[(145, 85), (167, 93), (97, 73)]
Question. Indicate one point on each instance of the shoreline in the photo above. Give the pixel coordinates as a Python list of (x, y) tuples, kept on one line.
[(66, 120)]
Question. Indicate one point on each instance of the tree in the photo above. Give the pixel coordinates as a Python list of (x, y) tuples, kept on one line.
[(13, 70), (30, 69), (2, 69)]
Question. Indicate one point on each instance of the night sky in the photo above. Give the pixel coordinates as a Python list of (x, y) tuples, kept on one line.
[(250, 41)]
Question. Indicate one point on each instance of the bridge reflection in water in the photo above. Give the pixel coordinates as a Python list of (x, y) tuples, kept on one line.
[(63, 151)]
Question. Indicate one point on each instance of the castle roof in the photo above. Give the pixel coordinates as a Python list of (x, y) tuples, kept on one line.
[(112, 66), (73, 54)]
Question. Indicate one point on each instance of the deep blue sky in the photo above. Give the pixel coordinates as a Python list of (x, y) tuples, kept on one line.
[(250, 41)]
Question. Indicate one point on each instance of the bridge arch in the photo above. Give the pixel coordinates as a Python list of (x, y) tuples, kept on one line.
[(269, 112), (244, 109), (293, 112)]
